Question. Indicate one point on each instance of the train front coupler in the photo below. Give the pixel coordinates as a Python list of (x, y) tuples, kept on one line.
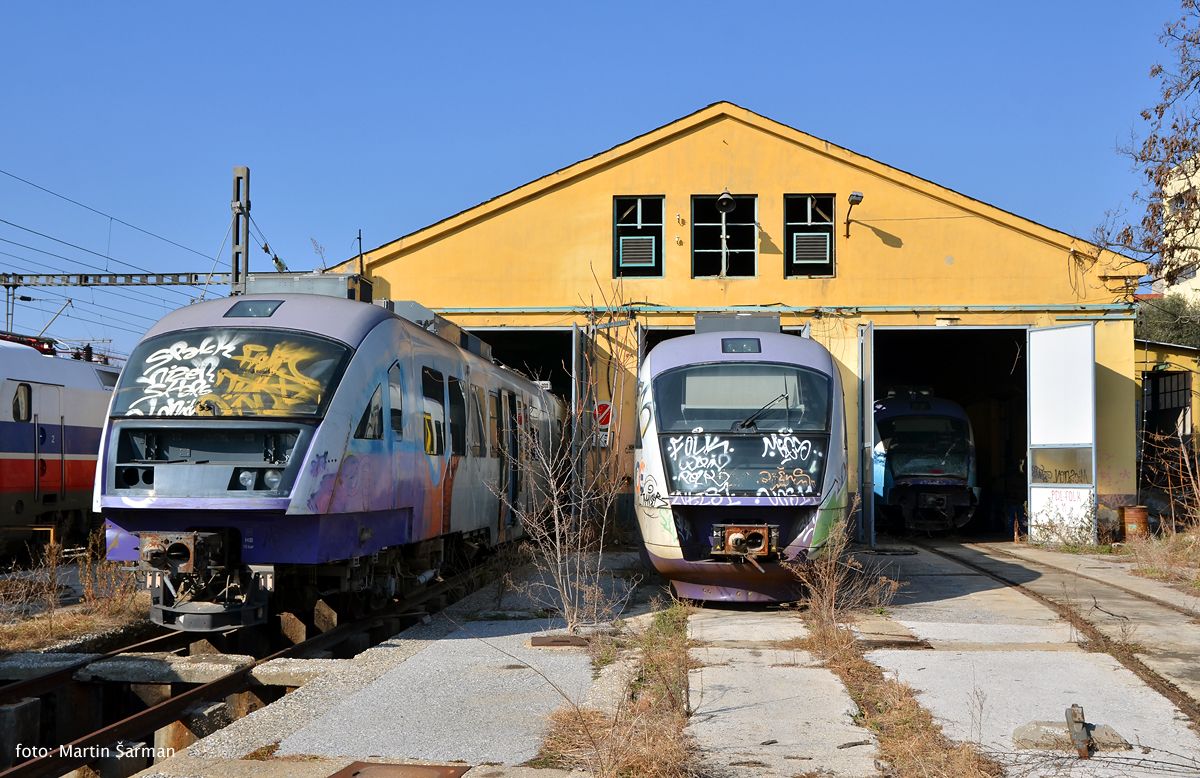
[(197, 584), (749, 542)]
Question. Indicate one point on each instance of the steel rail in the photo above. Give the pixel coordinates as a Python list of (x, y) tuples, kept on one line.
[(1069, 613), (48, 682)]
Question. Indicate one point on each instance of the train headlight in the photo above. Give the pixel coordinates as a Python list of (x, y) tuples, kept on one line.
[(272, 478), (246, 478)]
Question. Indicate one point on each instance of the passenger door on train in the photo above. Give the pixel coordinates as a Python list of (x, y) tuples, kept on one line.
[(48, 442)]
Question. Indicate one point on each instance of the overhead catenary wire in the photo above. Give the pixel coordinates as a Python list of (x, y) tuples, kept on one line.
[(89, 251), (109, 216), (122, 311), (82, 264), (28, 263), (69, 315)]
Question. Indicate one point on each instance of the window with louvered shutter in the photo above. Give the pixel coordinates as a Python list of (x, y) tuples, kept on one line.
[(637, 251), (810, 248), (808, 233), (637, 236)]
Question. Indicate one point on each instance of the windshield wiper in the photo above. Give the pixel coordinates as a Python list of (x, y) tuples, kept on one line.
[(748, 422)]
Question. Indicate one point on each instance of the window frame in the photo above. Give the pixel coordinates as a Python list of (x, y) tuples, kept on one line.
[(433, 430), (456, 414), (657, 269), (754, 223), (479, 447), (790, 228), (396, 415), (26, 390), (370, 424)]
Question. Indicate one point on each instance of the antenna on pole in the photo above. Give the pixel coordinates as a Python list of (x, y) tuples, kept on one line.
[(361, 268), (241, 229)]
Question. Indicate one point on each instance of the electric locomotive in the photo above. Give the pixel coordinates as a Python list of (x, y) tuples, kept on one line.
[(51, 416), (279, 449), (924, 461), (740, 461)]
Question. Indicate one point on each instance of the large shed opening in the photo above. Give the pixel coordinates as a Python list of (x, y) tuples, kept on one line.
[(539, 354), (984, 371)]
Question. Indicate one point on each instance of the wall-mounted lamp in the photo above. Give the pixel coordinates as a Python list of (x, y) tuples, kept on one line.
[(854, 199)]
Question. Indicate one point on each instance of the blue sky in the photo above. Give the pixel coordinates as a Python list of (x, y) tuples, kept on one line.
[(385, 117)]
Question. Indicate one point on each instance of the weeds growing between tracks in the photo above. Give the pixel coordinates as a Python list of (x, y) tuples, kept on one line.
[(839, 585), (644, 735), (32, 615)]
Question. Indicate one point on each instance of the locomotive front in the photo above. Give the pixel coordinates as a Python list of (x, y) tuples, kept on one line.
[(207, 437), (741, 464)]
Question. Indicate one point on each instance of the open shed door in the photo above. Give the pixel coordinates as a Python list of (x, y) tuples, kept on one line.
[(866, 433), (1061, 467)]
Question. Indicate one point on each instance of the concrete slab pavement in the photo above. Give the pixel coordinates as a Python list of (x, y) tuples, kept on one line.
[(765, 710), (1165, 640), (1002, 659)]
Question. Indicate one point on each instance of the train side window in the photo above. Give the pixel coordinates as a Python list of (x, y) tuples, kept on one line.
[(370, 426), (434, 412), (458, 415), (23, 403), (494, 423), (478, 447), (396, 400)]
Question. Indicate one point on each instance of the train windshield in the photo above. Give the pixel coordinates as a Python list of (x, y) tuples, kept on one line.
[(926, 445), (230, 372), (741, 397), (743, 428)]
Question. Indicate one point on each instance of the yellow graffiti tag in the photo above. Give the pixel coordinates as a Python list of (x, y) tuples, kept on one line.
[(269, 381)]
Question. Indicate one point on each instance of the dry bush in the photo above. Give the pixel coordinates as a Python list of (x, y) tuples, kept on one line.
[(107, 587), (1173, 557), (838, 584), (31, 613), (25, 591), (644, 737), (1171, 476)]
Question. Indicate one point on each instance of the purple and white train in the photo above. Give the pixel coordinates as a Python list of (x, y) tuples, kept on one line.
[(741, 461), (310, 447)]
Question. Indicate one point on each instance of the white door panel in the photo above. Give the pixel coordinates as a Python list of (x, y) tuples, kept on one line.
[(1061, 466)]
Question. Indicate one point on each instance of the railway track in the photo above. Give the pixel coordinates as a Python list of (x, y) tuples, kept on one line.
[(82, 750), (1050, 590), (48, 682)]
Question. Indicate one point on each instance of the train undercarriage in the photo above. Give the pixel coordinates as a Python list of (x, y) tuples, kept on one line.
[(198, 582)]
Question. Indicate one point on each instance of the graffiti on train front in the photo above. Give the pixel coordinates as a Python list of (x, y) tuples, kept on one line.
[(229, 373), (774, 465)]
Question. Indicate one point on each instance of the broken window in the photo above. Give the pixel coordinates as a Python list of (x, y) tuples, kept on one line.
[(479, 437), (434, 413), (724, 244), (370, 425), (396, 400), (23, 403), (458, 416), (637, 236), (808, 232)]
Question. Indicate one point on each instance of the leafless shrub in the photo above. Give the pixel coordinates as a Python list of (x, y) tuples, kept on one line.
[(574, 484), (838, 583), (107, 588), (31, 612), (1173, 556)]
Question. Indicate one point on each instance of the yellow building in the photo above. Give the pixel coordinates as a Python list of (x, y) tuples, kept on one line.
[(913, 284)]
